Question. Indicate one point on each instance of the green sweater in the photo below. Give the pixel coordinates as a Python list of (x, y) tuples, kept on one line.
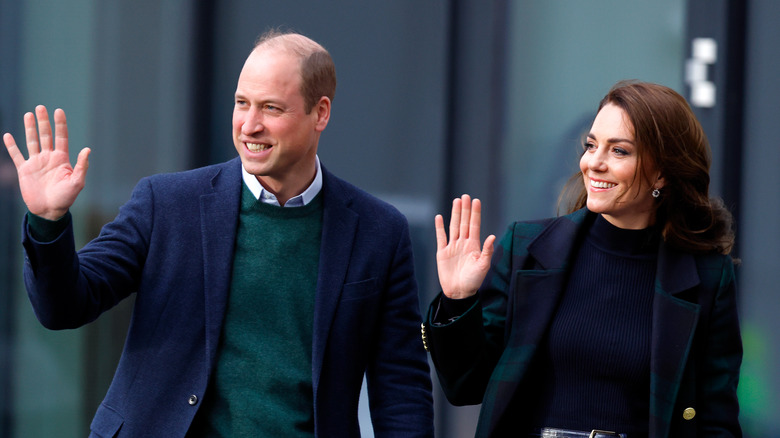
[(262, 383)]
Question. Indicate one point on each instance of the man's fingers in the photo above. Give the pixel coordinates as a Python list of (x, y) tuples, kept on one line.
[(13, 150), (31, 134), (44, 128), (82, 164), (60, 130)]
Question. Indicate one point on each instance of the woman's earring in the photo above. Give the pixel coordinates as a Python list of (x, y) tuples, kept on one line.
[(656, 193)]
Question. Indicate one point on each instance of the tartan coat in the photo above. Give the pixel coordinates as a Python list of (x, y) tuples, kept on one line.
[(696, 349), (172, 247)]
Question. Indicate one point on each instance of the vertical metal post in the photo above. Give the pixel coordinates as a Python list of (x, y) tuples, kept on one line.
[(715, 83)]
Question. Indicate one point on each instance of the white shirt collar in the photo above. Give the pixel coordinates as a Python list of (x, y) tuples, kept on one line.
[(267, 197)]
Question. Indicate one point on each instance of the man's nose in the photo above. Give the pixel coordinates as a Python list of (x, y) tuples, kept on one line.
[(253, 122)]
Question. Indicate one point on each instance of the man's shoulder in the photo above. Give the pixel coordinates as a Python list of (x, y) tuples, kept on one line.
[(200, 173), (207, 178), (358, 200)]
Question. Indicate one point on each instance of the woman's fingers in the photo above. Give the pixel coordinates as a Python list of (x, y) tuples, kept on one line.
[(455, 219), (465, 217), (476, 219), (465, 221), (487, 248), (441, 236)]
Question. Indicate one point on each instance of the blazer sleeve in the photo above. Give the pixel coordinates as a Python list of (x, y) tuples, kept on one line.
[(68, 289), (465, 349), (398, 376)]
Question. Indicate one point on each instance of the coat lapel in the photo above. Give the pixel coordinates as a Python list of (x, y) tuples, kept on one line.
[(218, 217), (673, 326), (533, 296), (339, 225)]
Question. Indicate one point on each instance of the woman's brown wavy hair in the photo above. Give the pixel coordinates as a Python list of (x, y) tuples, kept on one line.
[(670, 137)]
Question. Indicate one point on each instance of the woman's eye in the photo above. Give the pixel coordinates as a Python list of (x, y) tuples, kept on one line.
[(588, 146), (620, 151)]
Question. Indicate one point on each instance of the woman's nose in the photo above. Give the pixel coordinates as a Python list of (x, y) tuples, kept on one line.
[(597, 160)]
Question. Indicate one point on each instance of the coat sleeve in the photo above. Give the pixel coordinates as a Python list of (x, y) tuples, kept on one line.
[(465, 349), (398, 376), (68, 289)]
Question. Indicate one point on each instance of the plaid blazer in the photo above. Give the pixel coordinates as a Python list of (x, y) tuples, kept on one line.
[(483, 355)]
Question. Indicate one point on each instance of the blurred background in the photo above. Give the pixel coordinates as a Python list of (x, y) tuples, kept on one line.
[(435, 98)]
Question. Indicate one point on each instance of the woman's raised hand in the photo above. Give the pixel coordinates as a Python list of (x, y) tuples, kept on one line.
[(48, 183), (461, 262)]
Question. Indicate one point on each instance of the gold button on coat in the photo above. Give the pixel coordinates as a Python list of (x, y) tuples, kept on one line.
[(689, 413)]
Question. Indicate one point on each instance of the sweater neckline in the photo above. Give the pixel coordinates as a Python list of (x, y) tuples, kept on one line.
[(623, 241)]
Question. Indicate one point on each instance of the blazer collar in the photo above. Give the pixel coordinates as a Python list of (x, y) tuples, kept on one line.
[(552, 249), (673, 325), (674, 318)]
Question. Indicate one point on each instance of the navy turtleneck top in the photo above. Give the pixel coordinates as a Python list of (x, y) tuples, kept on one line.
[(593, 368)]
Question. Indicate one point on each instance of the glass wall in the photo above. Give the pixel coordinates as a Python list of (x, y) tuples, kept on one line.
[(434, 99)]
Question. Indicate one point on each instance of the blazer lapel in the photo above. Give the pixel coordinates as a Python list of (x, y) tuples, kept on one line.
[(339, 226), (219, 215), (673, 326), (533, 296), (538, 288)]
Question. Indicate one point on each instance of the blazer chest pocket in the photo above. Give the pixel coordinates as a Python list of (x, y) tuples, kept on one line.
[(359, 290)]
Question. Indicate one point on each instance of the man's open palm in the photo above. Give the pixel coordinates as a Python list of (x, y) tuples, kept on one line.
[(48, 183)]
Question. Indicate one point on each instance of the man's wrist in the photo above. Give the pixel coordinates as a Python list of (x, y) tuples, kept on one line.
[(46, 230)]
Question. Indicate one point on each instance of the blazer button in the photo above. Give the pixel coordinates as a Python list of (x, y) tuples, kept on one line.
[(193, 400), (424, 336), (689, 413)]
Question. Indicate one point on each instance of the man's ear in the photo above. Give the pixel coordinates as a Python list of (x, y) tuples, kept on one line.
[(323, 113)]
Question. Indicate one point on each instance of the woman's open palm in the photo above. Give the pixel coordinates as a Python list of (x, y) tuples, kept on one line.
[(462, 263)]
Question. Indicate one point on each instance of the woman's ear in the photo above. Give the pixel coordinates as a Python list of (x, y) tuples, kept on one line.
[(659, 182)]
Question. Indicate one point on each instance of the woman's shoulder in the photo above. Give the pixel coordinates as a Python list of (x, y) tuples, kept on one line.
[(568, 222)]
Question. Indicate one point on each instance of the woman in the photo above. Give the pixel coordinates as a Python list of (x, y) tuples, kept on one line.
[(619, 316)]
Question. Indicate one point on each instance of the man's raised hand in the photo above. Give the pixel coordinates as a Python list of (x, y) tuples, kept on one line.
[(48, 183)]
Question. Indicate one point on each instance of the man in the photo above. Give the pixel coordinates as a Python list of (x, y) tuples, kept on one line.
[(259, 304)]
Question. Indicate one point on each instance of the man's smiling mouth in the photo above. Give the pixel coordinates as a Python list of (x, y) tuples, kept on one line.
[(257, 147)]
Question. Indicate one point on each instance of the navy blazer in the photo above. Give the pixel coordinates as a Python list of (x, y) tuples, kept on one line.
[(172, 245), (696, 349)]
